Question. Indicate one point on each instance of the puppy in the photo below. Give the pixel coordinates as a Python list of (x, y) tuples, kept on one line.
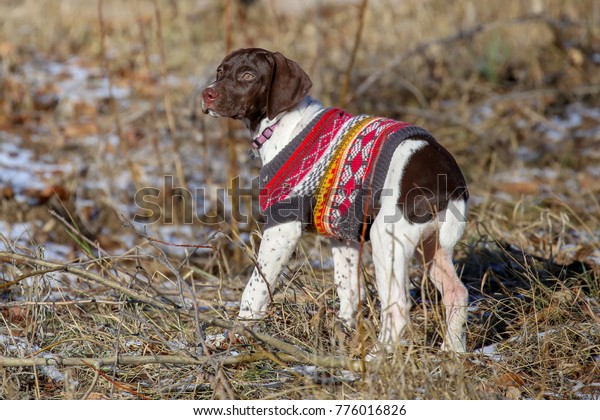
[(352, 178)]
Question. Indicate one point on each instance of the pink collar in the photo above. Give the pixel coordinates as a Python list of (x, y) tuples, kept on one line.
[(264, 136)]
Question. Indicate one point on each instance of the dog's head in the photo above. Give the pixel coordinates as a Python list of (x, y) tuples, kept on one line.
[(253, 84)]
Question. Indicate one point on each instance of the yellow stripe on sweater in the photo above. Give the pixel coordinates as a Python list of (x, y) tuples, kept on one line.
[(327, 183)]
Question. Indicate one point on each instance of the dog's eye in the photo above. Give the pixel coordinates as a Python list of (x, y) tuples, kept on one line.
[(219, 73), (247, 76)]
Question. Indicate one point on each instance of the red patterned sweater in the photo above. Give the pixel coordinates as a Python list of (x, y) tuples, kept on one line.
[(330, 176)]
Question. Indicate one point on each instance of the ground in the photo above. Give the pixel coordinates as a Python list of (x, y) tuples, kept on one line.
[(119, 235)]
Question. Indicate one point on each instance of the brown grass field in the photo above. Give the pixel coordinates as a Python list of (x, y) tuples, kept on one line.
[(98, 103)]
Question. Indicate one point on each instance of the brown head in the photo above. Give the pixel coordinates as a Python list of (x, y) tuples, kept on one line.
[(253, 84)]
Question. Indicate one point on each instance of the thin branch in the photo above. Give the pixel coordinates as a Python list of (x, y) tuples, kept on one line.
[(444, 117), (424, 46), (527, 95), (239, 328), (167, 96), (73, 229), (113, 102), (85, 274), (126, 223), (357, 38), (93, 384), (17, 304), (153, 109), (117, 384), (130, 360), (25, 276)]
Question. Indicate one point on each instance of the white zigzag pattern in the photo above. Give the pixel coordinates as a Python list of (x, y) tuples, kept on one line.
[(308, 185), (341, 196)]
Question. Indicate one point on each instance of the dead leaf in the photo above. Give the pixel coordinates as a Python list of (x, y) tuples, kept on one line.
[(510, 379), (5, 123), (6, 49), (85, 109), (590, 310), (576, 57), (7, 192), (81, 129), (588, 182), (95, 396), (513, 393), (18, 118), (16, 314), (43, 195), (518, 188)]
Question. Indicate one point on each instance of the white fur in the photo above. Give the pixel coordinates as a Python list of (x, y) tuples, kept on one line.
[(346, 279), (290, 124), (394, 241)]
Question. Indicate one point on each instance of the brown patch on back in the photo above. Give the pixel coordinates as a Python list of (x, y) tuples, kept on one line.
[(430, 180)]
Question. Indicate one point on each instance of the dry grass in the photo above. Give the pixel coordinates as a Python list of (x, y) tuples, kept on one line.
[(497, 85)]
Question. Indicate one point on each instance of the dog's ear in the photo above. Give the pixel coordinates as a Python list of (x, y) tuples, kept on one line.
[(289, 84)]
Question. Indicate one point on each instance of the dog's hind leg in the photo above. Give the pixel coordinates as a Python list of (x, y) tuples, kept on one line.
[(346, 277), (438, 255), (393, 247), (454, 297)]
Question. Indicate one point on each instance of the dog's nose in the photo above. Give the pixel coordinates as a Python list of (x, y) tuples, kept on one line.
[(209, 94)]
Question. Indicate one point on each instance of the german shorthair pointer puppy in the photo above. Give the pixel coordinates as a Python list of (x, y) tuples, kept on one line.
[(352, 178)]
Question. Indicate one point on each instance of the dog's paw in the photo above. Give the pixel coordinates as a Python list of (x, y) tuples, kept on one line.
[(248, 314), (456, 346)]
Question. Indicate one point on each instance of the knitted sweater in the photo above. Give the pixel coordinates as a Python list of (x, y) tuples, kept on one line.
[(330, 176)]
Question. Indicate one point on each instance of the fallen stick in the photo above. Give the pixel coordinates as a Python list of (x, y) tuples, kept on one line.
[(132, 360), (299, 355), (461, 35)]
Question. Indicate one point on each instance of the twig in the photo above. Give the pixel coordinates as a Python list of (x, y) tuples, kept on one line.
[(113, 102), (222, 382), (70, 268), (167, 97), (116, 383), (300, 355), (92, 384), (23, 277), (355, 47), (153, 110), (126, 223), (73, 229), (444, 117), (176, 271), (233, 168), (60, 303), (538, 93), (424, 46), (196, 246), (180, 281), (130, 360), (116, 336), (180, 284)]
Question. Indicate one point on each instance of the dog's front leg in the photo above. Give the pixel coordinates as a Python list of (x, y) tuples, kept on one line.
[(346, 275), (276, 248)]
